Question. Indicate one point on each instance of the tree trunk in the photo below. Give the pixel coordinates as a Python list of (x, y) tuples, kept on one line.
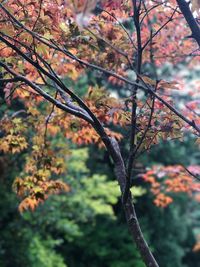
[(129, 208), (137, 234)]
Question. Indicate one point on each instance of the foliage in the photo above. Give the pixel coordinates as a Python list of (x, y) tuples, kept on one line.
[(175, 227), (42, 253), (57, 237), (74, 25), (46, 46)]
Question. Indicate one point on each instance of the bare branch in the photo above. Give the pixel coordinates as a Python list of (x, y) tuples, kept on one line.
[(194, 27), (45, 95)]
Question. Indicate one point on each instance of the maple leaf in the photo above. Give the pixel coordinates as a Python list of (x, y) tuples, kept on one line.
[(168, 85), (196, 248), (49, 47), (148, 80), (28, 203), (162, 200)]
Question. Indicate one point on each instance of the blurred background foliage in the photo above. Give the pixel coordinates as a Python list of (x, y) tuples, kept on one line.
[(86, 226)]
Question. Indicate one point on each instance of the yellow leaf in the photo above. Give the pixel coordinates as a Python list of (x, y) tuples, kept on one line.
[(64, 28), (148, 80), (28, 203)]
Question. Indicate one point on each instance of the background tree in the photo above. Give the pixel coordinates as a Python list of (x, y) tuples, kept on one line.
[(46, 45)]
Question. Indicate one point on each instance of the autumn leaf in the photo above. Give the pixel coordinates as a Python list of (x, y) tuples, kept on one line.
[(168, 85), (148, 80), (28, 203)]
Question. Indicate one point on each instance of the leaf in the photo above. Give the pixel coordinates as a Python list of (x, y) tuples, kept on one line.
[(198, 141), (162, 200), (148, 80), (48, 36), (28, 203), (168, 85)]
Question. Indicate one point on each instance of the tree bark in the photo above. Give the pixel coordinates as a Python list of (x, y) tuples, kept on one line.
[(129, 209), (135, 230), (194, 27)]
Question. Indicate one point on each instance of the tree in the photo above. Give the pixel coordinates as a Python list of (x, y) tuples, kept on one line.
[(47, 45), (59, 237)]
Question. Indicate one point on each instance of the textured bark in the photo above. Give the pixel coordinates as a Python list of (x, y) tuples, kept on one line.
[(137, 235), (129, 209), (185, 9)]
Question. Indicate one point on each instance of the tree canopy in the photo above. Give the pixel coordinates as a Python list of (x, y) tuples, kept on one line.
[(106, 73)]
